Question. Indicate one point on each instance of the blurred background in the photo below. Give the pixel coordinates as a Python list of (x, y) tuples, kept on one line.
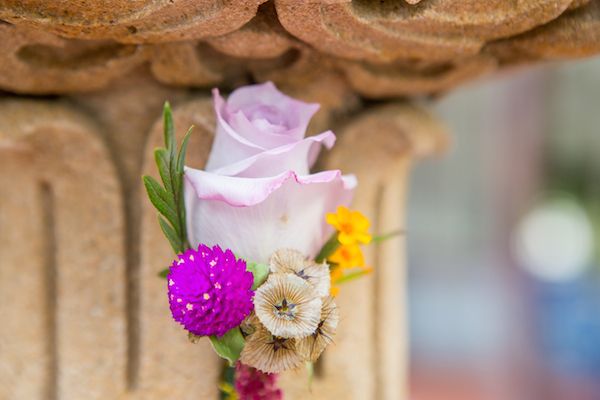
[(504, 242)]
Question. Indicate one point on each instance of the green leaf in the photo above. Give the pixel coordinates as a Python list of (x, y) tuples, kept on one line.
[(163, 273), (178, 182), (230, 345), (387, 236), (168, 128), (168, 198), (328, 248), (161, 156), (260, 272), (177, 169), (353, 275), (171, 235), (227, 385), (227, 389), (153, 187), (182, 150), (163, 201)]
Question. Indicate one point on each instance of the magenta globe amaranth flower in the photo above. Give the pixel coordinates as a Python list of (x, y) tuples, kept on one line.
[(210, 291)]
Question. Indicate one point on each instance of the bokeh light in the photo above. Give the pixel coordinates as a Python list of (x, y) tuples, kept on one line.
[(554, 242)]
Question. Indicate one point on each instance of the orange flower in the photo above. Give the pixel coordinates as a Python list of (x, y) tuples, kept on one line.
[(334, 291), (352, 229), (336, 274), (347, 256), (352, 226)]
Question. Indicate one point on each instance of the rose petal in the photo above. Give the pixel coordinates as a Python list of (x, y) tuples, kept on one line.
[(298, 157), (255, 217), (228, 146), (256, 118), (265, 101), (260, 131)]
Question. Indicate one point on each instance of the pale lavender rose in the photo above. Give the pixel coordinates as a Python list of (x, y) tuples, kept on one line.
[(257, 194), (260, 132)]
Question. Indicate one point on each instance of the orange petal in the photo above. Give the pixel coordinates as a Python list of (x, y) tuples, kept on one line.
[(335, 290), (346, 239), (332, 219)]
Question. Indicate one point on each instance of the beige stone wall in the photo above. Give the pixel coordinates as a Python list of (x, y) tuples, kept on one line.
[(84, 315)]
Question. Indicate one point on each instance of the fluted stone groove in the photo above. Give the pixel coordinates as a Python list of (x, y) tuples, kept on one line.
[(73, 231)]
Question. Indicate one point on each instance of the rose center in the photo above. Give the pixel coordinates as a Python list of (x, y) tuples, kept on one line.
[(266, 114)]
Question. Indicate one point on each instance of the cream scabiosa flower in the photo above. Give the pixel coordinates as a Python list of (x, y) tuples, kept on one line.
[(269, 353), (287, 306), (257, 194), (293, 262), (312, 346)]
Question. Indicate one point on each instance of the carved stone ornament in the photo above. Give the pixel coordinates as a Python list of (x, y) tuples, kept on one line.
[(379, 48)]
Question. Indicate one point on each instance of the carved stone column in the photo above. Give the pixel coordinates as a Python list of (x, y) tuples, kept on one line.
[(62, 286), (370, 357)]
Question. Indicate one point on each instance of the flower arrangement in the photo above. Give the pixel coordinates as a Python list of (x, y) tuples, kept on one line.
[(262, 243)]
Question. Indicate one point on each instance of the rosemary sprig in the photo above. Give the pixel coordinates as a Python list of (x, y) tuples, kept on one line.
[(168, 197)]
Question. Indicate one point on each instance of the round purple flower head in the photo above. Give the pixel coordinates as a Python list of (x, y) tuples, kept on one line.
[(210, 291)]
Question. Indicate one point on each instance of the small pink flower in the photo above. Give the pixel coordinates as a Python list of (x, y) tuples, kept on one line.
[(252, 384), (257, 195)]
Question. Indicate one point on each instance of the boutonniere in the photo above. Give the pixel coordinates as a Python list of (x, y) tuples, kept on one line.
[(262, 242)]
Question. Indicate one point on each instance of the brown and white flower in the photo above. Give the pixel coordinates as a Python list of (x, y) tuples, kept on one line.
[(293, 262), (312, 346), (288, 306), (269, 353)]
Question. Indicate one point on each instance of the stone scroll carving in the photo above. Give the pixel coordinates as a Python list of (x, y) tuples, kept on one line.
[(39, 63), (62, 264), (386, 31), (132, 21), (413, 79), (575, 35), (379, 48)]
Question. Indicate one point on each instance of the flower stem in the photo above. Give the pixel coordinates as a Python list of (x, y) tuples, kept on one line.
[(387, 236), (328, 248)]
